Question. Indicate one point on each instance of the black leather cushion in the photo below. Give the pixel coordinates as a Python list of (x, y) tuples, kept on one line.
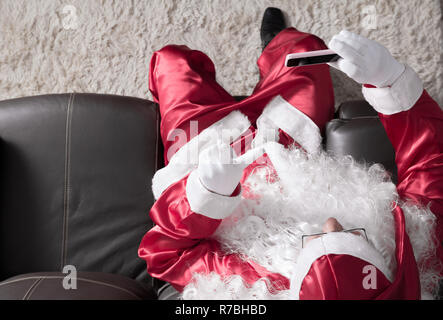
[(363, 138), (89, 286), (356, 108), (76, 172)]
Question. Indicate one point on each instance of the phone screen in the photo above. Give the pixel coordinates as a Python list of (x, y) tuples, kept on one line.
[(296, 62)]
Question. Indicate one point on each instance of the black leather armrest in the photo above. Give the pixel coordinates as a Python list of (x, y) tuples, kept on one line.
[(364, 139), (355, 109), (89, 286), (358, 132)]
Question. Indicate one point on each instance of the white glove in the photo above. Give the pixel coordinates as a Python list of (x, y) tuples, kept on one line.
[(364, 60), (219, 171)]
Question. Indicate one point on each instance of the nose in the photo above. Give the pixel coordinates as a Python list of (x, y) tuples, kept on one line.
[(332, 225)]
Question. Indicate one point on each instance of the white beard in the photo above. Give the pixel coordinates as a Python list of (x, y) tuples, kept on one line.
[(309, 190)]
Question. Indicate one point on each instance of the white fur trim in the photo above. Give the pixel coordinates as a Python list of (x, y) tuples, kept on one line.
[(401, 96), (186, 158), (336, 243), (279, 113), (207, 203)]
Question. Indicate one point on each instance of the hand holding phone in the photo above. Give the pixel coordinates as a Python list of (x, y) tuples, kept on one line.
[(364, 60)]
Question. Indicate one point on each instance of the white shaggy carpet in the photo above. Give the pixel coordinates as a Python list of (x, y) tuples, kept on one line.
[(104, 46)]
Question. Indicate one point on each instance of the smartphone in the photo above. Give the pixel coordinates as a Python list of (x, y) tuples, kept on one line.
[(310, 58)]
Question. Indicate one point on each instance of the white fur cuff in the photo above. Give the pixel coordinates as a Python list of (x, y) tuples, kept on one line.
[(401, 96), (336, 243), (186, 158), (207, 203), (288, 118)]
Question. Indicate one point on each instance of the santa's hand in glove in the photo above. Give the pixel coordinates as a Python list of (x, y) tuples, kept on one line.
[(220, 171), (364, 60)]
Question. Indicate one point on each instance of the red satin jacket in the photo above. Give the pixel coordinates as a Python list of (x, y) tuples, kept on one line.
[(180, 244), (186, 215)]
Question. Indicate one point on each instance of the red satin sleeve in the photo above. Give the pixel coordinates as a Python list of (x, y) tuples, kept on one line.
[(180, 245), (417, 138)]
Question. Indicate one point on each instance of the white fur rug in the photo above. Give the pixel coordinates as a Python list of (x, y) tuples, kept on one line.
[(104, 46)]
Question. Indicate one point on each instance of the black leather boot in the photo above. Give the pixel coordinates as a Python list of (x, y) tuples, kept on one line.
[(273, 22)]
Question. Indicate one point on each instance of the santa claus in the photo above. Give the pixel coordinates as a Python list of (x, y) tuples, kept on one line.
[(249, 206)]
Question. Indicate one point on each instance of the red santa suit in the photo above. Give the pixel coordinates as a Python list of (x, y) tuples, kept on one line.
[(295, 104)]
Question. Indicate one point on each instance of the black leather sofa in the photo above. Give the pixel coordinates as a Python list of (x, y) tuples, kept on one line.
[(75, 177)]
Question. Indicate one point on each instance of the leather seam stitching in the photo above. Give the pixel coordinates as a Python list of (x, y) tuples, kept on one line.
[(67, 179), (163, 288), (32, 289)]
